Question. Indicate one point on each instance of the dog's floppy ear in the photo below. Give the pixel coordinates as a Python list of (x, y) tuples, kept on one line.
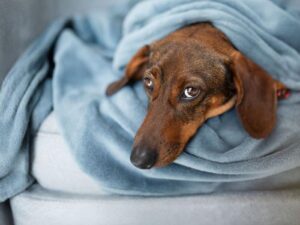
[(134, 70), (256, 96)]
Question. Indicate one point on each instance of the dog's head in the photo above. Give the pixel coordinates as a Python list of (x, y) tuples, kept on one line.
[(190, 76)]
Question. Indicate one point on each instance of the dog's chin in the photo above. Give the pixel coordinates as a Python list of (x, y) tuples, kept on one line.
[(167, 159)]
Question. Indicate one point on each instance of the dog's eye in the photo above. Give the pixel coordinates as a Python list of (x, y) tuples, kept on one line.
[(148, 83), (190, 93)]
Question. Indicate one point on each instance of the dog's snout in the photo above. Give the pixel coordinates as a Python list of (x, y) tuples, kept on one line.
[(143, 158)]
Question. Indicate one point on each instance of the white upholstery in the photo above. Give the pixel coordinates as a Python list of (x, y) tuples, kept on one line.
[(53, 165), (65, 195), (40, 207)]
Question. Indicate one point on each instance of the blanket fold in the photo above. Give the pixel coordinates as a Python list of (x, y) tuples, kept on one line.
[(69, 67)]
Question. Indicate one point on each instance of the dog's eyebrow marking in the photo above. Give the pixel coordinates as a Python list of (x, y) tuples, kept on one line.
[(161, 58), (154, 71)]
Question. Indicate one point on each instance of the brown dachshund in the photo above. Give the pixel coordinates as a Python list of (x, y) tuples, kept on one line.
[(191, 75)]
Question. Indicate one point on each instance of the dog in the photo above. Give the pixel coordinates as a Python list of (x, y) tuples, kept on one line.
[(191, 75)]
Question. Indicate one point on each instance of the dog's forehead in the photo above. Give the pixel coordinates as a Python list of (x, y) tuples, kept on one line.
[(186, 57)]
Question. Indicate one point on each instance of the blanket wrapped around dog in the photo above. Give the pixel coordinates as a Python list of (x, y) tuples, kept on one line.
[(69, 67)]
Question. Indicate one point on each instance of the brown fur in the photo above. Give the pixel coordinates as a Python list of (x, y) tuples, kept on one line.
[(197, 55)]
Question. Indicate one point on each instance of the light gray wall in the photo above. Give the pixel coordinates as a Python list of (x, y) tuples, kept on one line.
[(22, 20)]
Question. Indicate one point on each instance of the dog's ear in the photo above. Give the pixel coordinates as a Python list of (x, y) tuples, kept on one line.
[(134, 70), (256, 96)]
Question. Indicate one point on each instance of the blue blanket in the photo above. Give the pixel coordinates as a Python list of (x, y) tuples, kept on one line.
[(69, 67)]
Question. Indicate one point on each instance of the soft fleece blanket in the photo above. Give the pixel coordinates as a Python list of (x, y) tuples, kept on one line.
[(68, 69)]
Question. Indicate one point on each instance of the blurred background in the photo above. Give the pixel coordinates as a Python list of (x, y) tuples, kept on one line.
[(21, 21)]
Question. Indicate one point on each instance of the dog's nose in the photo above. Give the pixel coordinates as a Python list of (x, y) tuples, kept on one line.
[(143, 158)]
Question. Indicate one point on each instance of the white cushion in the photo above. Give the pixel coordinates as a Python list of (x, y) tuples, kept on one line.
[(53, 165), (40, 207), (55, 168)]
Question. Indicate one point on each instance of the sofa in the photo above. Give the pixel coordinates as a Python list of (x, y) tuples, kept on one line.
[(64, 194)]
